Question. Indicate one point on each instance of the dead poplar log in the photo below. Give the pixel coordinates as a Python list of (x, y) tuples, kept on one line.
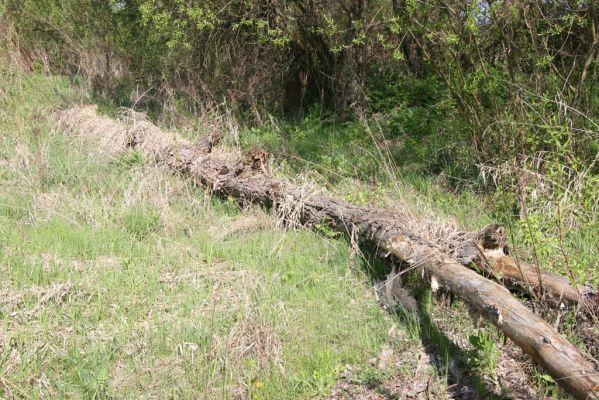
[(248, 181), (557, 289), (487, 250)]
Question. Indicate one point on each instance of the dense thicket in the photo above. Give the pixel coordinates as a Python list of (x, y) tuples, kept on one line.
[(508, 89), (494, 58)]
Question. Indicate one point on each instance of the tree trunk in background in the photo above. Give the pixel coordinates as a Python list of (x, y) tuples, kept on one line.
[(409, 44)]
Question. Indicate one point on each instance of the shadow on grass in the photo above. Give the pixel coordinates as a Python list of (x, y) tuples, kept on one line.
[(450, 361)]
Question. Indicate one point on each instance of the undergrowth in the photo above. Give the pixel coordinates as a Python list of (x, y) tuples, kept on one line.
[(366, 164)]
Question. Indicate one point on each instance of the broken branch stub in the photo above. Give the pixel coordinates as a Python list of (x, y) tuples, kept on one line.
[(576, 373)]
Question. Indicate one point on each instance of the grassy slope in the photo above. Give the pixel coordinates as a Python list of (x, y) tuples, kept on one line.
[(122, 280), (119, 279)]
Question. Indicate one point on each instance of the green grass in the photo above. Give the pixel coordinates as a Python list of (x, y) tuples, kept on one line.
[(123, 281), (118, 282)]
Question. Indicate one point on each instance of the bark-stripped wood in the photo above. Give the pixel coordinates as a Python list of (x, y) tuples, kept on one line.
[(487, 250), (557, 289), (248, 181)]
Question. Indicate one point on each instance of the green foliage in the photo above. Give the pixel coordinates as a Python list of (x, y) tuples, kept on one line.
[(484, 355), (546, 383), (326, 230), (129, 160), (467, 82), (334, 149)]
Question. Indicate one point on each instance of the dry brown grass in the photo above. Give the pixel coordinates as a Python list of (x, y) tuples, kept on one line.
[(250, 221), (116, 137), (135, 130), (154, 373), (57, 294), (84, 123), (48, 262), (249, 339)]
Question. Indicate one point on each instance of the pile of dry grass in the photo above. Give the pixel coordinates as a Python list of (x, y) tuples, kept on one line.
[(251, 221), (249, 339), (113, 137), (56, 293), (85, 123)]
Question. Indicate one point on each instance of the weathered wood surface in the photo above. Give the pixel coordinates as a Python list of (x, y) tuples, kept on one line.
[(248, 181), (487, 250), (554, 288)]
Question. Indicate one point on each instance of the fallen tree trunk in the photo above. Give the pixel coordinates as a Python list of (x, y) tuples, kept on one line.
[(248, 181), (487, 250), (556, 289)]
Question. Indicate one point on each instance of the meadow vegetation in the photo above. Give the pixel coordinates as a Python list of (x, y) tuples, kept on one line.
[(121, 280)]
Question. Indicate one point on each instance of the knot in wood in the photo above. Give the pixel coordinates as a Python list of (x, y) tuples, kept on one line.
[(544, 340), (494, 312), (491, 237), (205, 144), (224, 170)]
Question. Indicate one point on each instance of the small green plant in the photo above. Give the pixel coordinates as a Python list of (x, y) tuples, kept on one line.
[(371, 376), (141, 221), (129, 160), (483, 356), (326, 230), (546, 383)]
